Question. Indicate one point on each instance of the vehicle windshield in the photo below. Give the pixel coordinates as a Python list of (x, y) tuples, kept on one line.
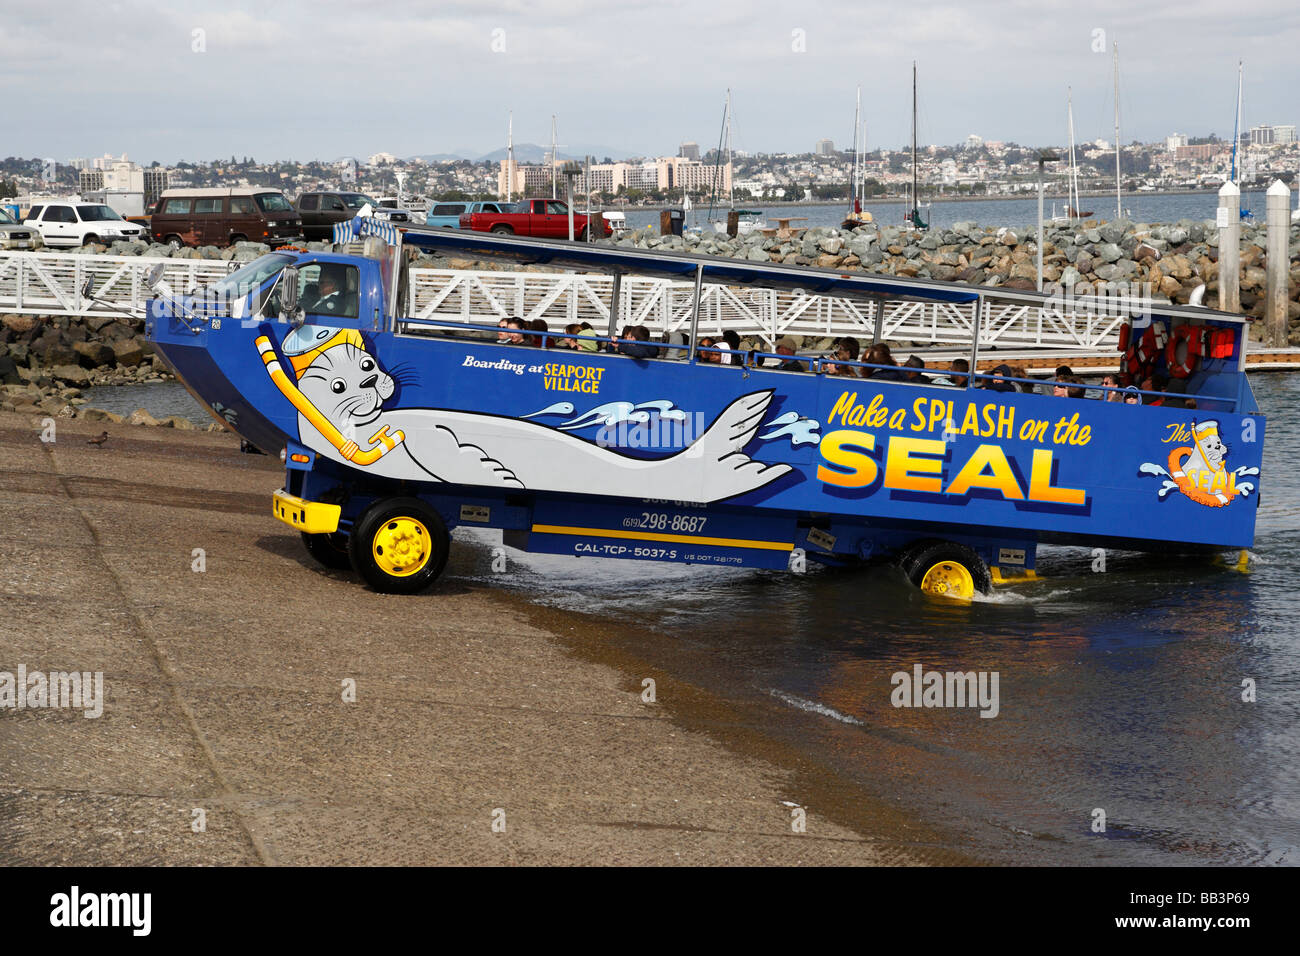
[(242, 281), (97, 213), (7, 219), (357, 200), (273, 202)]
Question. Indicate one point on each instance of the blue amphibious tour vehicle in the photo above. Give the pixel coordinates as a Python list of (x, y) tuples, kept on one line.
[(397, 429)]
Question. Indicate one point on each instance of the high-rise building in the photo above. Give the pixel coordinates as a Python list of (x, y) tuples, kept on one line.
[(1173, 141), (155, 181), (824, 147), (974, 141), (689, 151), (1284, 134)]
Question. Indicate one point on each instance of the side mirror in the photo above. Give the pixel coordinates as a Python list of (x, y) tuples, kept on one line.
[(88, 288), (289, 295), (154, 275)]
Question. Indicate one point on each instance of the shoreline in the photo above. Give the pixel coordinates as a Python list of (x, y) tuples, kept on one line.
[(468, 699)]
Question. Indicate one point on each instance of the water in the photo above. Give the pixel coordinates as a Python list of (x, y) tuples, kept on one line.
[(159, 399), (1119, 691), (1140, 207)]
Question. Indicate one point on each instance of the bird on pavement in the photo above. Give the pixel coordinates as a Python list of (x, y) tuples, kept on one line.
[(98, 439)]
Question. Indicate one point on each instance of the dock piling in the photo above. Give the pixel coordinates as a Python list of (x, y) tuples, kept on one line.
[(1229, 222), (1278, 205)]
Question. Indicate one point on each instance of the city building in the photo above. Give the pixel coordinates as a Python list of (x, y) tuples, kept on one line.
[(664, 173), (689, 151), (1175, 140), (824, 148), (974, 142)]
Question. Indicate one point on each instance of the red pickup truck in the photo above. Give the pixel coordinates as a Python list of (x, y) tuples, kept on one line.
[(548, 218)]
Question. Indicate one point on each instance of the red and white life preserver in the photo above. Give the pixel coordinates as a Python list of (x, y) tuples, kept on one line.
[(1191, 335)]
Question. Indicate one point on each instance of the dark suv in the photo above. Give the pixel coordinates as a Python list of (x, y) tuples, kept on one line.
[(320, 211), (220, 216)]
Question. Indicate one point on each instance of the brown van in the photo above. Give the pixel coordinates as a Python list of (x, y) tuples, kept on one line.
[(220, 217)]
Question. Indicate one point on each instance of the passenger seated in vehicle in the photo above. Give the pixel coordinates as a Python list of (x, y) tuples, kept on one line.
[(846, 350), (707, 352), (999, 384), (570, 343), (541, 341), (588, 344), (880, 355), (1019, 371), (1111, 381), (676, 354), (637, 344), (786, 347), (915, 363), (956, 374), (503, 336), (515, 332), (731, 342), (1077, 388), (1131, 395), (1154, 383), (331, 301)]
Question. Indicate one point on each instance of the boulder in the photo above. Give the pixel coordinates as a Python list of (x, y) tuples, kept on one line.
[(9, 371), (93, 354), (1109, 252), (73, 374), (19, 323), (141, 417), (127, 352), (831, 245)]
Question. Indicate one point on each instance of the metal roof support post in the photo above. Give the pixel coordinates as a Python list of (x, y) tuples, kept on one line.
[(613, 303), (880, 319), (975, 342), (695, 308)]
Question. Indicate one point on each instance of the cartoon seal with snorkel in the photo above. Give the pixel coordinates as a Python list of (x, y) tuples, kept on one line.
[(339, 390)]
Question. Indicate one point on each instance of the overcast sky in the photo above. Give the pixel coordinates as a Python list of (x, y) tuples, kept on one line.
[(324, 79)]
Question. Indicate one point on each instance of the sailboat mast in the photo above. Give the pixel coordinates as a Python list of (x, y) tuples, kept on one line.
[(553, 156), (510, 158), (857, 117), (1235, 172), (1074, 170), (731, 188), (914, 205), (1119, 212)]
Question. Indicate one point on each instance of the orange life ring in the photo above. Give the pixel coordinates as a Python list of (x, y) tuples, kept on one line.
[(1191, 334), (1211, 498)]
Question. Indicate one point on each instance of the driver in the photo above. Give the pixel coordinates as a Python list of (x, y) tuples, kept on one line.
[(330, 301)]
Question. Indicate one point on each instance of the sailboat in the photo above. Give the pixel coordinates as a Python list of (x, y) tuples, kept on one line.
[(1072, 210), (747, 219), (1234, 174), (913, 215), (856, 216)]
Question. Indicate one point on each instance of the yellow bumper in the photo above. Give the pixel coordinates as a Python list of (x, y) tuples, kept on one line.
[(313, 517)]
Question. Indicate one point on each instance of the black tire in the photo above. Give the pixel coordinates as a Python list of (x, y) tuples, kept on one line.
[(367, 550), (582, 236), (330, 550), (175, 242), (503, 229), (88, 238), (919, 558), (238, 237)]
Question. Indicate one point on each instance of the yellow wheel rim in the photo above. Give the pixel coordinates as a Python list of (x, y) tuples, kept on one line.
[(949, 579), (401, 546)]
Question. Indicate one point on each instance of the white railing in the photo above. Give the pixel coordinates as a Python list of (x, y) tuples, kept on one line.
[(665, 306), (50, 283), (47, 283)]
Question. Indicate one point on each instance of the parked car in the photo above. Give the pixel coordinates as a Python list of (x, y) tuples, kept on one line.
[(536, 217), (15, 235), (220, 217), (447, 214), (320, 211), (70, 224)]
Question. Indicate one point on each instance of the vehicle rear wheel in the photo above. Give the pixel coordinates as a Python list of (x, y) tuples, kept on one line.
[(237, 237), (503, 229), (583, 236), (330, 549), (399, 545), (947, 569)]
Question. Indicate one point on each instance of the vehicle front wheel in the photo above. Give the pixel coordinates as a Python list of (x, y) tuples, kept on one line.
[(88, 238), (173, 242), (331, 549), (399, 545), (947, 569)]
